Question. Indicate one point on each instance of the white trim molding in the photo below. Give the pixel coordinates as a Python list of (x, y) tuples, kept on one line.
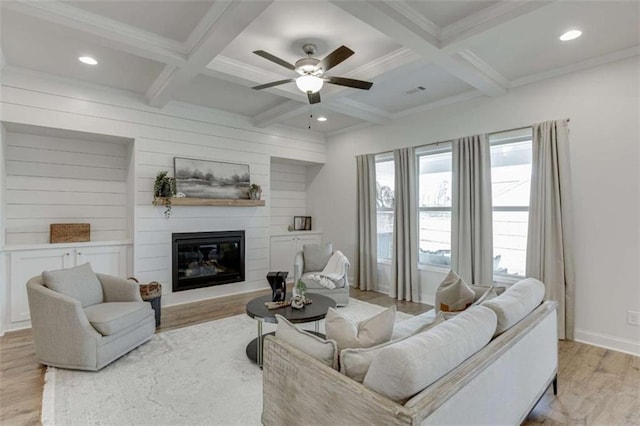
[(608, 342)]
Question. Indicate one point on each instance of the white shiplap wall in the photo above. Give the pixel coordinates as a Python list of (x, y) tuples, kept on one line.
[(288, 194), (177, 130), (60, 180)]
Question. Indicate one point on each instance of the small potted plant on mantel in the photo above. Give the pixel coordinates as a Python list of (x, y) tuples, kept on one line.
[(255, 191), (164, 189)]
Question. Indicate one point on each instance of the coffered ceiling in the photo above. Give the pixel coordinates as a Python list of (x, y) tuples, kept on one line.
[(419, 54)]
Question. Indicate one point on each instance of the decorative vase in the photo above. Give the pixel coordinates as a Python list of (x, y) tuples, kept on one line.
[(300, 289)]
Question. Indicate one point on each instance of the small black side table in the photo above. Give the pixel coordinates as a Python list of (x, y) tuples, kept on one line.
[(312, 312)]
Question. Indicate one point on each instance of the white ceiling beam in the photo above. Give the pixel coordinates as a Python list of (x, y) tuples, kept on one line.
[(112, 33), (229, 69), (469, 30), (284, 111), (578, 66), (226, 22), (384, 16), (462, 97), (359, 110)]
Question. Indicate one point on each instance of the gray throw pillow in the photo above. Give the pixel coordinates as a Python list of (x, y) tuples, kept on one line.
[(80, 283), (325, 351), (349, 333), (316, 256)]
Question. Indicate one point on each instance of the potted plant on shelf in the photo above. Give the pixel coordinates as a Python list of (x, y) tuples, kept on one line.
[(164, 188), (255, 191)]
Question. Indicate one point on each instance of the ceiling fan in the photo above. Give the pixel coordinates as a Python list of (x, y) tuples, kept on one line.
[(312, 71)]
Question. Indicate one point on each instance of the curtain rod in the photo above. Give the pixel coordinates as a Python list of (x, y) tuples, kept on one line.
[(451, 140)]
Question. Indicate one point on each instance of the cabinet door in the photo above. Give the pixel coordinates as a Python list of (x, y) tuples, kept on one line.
[(111, 260), (282, 254), (27, 264)]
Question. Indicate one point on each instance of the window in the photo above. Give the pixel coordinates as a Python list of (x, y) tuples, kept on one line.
[(434, 205), (385, 179), (510, 187)]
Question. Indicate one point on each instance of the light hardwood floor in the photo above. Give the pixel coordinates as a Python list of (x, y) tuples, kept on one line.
[(596, 386)]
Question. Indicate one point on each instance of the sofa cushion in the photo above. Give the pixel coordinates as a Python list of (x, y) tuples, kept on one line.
[(325, 351), (112, 317), (516, 303), (355, 362), (454, 294), (414, 324), (403, 369), (80, 283), (349, 333), (316, 256)]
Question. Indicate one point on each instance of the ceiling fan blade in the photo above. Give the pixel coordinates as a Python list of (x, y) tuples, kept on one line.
[(335, 57), (314, 98), (273, 83), (349, 82), (275, 59)]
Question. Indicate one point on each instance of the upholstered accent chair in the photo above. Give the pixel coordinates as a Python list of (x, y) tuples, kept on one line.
[(83, 320), (311, 260)]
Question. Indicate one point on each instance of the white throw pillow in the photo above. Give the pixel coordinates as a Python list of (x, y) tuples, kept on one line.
[(355, 362), (351, 334), (516, 303), (454, 294), (326, 351), (403, 369)]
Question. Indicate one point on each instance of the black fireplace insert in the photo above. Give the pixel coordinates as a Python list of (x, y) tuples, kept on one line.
[(203, 259)]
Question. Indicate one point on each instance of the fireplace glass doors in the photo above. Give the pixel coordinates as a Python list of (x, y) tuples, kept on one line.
[(203, 259)]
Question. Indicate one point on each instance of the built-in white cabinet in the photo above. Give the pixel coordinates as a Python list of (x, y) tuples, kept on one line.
[(25, 263), (283, 250)]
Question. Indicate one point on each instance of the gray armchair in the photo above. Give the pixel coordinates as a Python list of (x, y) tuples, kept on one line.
[(82, 320), (312, 259)]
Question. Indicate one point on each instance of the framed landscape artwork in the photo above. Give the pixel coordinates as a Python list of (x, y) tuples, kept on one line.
[(211, 179)]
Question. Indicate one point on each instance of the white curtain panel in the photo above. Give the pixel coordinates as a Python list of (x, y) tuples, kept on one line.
[(549, 249), (404, 261), (366, 264), (471, 215)]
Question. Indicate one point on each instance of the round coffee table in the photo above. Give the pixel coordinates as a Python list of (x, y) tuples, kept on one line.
[(256, 309)]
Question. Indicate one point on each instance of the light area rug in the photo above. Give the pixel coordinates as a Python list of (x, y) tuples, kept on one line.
[(198, 375)]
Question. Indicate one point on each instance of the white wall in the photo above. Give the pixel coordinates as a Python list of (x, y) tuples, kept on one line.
[(288, 194), (603, 105), (61, 180), (178, 130)]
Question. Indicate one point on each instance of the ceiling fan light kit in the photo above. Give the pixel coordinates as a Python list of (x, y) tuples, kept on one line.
[(312, 71), (309, 83)]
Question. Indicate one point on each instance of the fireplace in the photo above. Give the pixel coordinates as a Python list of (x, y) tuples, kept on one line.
[(204, 259)]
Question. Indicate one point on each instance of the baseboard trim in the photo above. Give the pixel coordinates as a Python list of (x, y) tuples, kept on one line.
[(608, 342)]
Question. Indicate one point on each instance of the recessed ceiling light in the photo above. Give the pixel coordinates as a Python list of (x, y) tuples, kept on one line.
[(322, 118), (570, 35), (88, 60)]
